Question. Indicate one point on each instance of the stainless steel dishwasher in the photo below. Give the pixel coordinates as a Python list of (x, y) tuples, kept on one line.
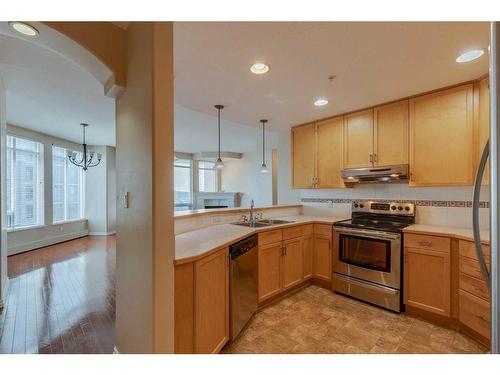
[(243, 284)]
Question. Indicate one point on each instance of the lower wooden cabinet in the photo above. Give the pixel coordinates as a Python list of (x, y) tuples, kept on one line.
[(201, 311), (302, 253), (474, 312), (427, 281), (270, 264), (473, 294), (212, 302), (307, 256), (292, 263), (322, 257)]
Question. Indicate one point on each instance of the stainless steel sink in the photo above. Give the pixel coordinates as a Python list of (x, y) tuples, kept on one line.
[(274, 221), (257, 224), (262, 223)]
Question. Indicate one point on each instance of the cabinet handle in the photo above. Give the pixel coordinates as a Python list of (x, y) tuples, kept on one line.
[(425, 243), (375, 158)]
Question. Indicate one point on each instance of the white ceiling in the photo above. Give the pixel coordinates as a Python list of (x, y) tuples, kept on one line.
[(49, 93), (373, 62)]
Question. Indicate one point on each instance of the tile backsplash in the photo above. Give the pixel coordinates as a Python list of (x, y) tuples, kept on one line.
[(445, 206)]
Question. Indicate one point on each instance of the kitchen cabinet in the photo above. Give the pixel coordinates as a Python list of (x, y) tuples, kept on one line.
[(270, 265), (358, 139), (292, 262), (322, 252), (473, 294), (482, 109), (201, 309), (303, 156), (281, 262), (427, 270), (329, 153), (390, 135), (307, 253), (441, 138)]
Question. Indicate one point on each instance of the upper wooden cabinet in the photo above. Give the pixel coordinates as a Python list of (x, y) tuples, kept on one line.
[(303, 156), (358, 139), (377, 137), (317, 155), (390, 134), (329, 153), (441, 138)]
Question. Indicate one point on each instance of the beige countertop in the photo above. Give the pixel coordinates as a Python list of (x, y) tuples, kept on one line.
[(436, 230), (200, 242)]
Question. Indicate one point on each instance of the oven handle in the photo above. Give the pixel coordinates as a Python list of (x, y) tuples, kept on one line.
[(369, 233)]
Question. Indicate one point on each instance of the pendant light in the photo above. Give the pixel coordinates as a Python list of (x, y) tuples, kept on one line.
[(218, 163), (89, 159), (263, 167)]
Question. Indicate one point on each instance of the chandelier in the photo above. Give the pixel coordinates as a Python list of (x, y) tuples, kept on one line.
[(87, 161)]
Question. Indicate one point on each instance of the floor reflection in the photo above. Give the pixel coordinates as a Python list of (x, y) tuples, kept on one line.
[(61, 299)]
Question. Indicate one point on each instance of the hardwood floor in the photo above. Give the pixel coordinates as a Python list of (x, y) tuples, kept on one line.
[(61, 299)]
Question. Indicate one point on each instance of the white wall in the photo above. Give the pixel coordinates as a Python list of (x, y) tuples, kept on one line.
[(195, 132), (3, 233), (96, 179), (111, 188), (100, 193)]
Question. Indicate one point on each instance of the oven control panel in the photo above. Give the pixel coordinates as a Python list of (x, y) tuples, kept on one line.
[(391, 208)]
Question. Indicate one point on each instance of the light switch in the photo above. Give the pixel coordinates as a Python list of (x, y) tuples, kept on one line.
[(125, 200)]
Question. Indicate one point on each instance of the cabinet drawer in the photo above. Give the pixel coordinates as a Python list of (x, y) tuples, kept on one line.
[(468, 249), (323, 229), (307, 230), (470, 267), (292, 232), (474, 286), (474, 312), (422, 241), (270, 237)]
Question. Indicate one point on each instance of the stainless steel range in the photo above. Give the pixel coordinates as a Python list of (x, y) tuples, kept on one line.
[(368, 256)]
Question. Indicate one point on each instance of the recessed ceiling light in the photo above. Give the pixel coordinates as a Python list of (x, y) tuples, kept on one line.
[(259, 68), (471, 55), (321, 102), (24, 28)]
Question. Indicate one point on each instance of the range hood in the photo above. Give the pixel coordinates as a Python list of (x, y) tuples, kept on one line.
[(390, 173)]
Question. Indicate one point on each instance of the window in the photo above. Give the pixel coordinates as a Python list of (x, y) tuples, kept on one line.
[(182, 185), (207, 176), (24, 182), (67, 187)]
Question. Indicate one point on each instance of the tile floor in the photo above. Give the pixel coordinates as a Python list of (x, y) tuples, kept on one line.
[(315, 320)]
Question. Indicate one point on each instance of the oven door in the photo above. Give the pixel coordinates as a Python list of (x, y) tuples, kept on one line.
[(368, 255)]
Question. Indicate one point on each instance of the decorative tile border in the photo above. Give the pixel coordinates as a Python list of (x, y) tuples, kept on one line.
[(428, 203)]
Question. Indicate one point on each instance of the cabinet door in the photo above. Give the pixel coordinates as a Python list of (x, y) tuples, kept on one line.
[(292, 262), (391, 134), (358, 139), (322, 257), (441, 138), (483, 122), (307, 257), (427, 280), (303, 156), (212, 302), (329, 153), (269, 270)]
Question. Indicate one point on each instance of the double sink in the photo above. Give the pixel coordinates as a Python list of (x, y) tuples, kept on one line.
[(262, 223)]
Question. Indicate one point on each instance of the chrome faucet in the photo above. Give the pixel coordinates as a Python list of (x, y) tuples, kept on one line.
[(252, 218)]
